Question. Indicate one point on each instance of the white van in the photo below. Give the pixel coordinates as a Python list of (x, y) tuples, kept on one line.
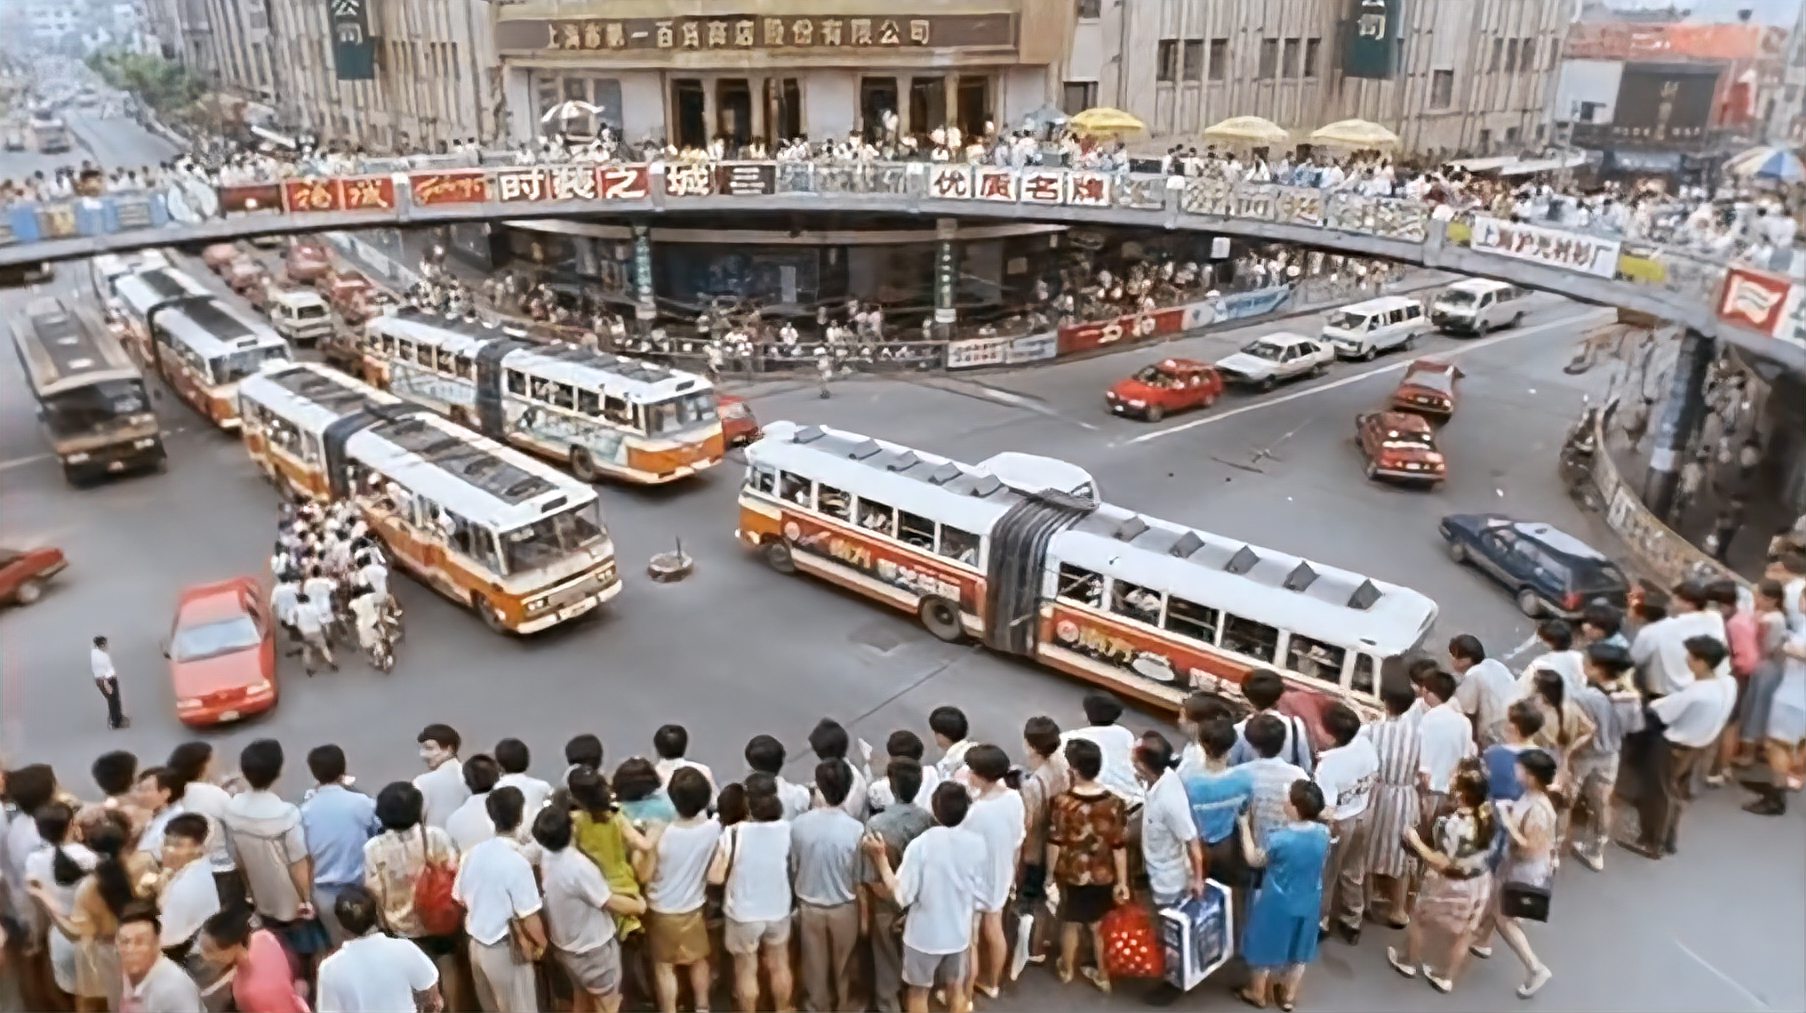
[(1366, 329), (300, 315), (1476, 305)]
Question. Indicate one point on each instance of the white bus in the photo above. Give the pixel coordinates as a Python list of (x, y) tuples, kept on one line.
[(199, 344)]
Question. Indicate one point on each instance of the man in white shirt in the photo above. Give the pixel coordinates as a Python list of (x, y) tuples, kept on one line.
[(1263, 690), (315, 645), (1560, 657), (188, 897), (997, 816), (1445, 738), (1693, 718), (580, 912), (950, 729), (374, 972), (512, 756), (1346, 772), (670, 742), (442, 788), (765, 755), (495, 884), (107, 681), (1659, 649), (941, 883), (902, 744), (1486, 690), (283, 602), (1116, 742), (1171, 849), (469, 824)]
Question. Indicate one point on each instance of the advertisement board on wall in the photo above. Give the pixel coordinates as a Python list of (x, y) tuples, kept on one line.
[(353, 47), (1553, 247), (1374, 30)]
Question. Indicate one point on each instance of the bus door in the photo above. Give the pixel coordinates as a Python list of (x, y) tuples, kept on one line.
[(1014, 565), (492, 420)]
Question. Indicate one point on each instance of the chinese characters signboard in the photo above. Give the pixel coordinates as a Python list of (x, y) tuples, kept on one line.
[(1553, 247), (1374, 29), (354, 193), (754, 32), (1754, 299), (353, 47), (448, 187)]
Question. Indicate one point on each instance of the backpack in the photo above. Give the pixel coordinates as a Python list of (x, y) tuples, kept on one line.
[(435, 903)]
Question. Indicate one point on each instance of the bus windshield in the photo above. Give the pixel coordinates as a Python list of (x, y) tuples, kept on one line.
[(679, 413), (94, 407), (551, 538), (235, 366)]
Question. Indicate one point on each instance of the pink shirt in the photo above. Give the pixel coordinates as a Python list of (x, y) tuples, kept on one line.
[(265, 983), (1745, 645)]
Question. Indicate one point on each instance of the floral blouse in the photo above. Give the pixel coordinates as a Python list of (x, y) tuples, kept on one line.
[(1087, 829)]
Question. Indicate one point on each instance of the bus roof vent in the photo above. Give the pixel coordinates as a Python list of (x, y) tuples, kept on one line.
[(1188, 543), (863, 449), (1301, 577), (808, 434), (1364, 597), (1244, 560), (1131, 529), (986, 485), (902, 462), (82, 363), (944, 474)]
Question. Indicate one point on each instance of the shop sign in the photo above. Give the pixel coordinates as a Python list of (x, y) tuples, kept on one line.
[(746, 178), (950, 182), (747, 31), (1373, 38), (1551, 247), (353, 47), (1044, 186), (250, 197), (972, 353), (1032, 348), (133, 212), (1087, 336), (520, 185), (1088, 189), (1754, 299), (312, 194), (995, 184), (623, 182), (428, 188), (689, 179), (364, 193)]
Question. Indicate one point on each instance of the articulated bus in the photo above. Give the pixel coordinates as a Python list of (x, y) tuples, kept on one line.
[(200, 345), (1016, 554), (520, 543), (90, 394), (604, 415), (108, 269)]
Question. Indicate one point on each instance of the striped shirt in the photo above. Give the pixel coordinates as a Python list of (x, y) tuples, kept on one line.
[(1273, 780)]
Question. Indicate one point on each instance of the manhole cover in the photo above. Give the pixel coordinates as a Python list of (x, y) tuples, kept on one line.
[(879, 636)]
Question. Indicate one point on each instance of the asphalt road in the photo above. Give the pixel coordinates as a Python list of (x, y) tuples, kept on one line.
[(737, 650), (110, 143)]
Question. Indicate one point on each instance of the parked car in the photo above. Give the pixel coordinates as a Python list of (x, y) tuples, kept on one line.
[(1170, 385), (307, 262), (222, 653), (737, 421), (1264, 362), (1428, 388), (1477, 305), (220, 256), (1547, 570), (1366, 329), (1401, 447), (24, 572)]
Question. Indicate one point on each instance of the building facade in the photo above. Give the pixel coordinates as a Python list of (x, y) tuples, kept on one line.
[(1460, 76), (770, 70)]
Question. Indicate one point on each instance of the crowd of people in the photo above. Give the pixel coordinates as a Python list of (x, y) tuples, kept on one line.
[(331, 585), (889, 880)]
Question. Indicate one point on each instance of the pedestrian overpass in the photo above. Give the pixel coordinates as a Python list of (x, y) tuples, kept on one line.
[(1759, 310)]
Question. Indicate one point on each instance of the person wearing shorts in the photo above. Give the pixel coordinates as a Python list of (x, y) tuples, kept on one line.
[(752, 864), (1087, 839), (941, 884), (581, 912), (675, 870), (1593, 769)]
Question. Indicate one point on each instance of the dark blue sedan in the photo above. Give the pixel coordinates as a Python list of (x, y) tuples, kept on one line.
[(1547, 570)]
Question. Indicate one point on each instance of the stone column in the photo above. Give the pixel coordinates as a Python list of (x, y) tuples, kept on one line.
[(1682, 412), (645, 305), (946, 276)]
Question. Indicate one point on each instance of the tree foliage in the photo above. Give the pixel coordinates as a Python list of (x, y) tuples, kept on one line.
[(163, 85)]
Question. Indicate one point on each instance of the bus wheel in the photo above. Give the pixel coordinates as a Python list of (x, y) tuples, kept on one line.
[(777, 555), (492, 616), (941, 617), (583, 465)]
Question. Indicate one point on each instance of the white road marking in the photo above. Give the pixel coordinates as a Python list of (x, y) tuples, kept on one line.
[(1755, 1000), (19, 462), (1453, 353), (1531, 641)]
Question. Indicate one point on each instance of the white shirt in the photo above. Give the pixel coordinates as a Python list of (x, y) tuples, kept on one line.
[(796, 798), (1485, 693), (307, 620), (1167, 830), (575, 893), (1570, 665), (1660, 648), (40, 868), (998, 819), (495, 884), (880, 795), (190, 899), (758, 874), (210, 800), (374, 974), (377, 576), (1192, 759), (533, 792), (684, 852), (941, 881), (469, 825), (282, 601), (666, 768), (1346, 775), (442, 790), (1446, 737), (1696, 713), (102, 664), (952, 764), (1118, 746), (319, 595)]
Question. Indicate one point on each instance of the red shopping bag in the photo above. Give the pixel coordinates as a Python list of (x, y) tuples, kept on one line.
[(1131, 943)]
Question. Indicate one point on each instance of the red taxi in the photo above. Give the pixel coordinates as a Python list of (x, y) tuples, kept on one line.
[(737, 422), (23, 573), (1170, 385), (1428, 388), (1400, 446), (219, 256), (306, 262), (222, 653)]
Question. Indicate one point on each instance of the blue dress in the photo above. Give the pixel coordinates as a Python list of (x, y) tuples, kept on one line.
[(1282, 921)]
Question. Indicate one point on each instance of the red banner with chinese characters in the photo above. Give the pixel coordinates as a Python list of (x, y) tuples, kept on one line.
[(312, 194), (1085, 337), (251, 197), (466, 187), (623, 182), (367, 193)]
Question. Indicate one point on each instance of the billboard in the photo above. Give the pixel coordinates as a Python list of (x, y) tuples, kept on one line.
[(1666, 105), (353, 46), (1374, 30)]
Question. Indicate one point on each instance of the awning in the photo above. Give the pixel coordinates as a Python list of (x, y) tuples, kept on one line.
[(1511, 165)]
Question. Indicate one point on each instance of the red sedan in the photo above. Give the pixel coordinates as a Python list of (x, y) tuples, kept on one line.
[(222, 653), (1428, 388), (1400, 446), (1170, 385), (737, 422), (23, 574)]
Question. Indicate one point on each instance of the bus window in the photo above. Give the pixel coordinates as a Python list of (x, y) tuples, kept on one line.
[(404, 350), (466, 367), (1135, 602), (616, 410), (310, 448), (762, 479), (1364, 680), (517, 382), (961, 546), (1315, 659), (564, 396), (834, 502), (1189, 619), (1245, 636), (796, 489), (1080, 585), (915, 530), (589, 403), (877, 517)]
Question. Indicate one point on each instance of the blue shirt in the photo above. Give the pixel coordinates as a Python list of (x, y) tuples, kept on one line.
[(1502, 773), (1296, 751), (1294, 877), (655, 808), (337, 822), (1217, 798)]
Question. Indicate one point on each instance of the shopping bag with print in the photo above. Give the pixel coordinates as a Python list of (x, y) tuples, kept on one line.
[(1195, 935), (1131, 947)]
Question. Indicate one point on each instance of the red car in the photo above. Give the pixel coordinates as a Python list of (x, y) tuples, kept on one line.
[(1170, 385), (306, 262), (23, 573), (219, 256), (1401, 446), (737, 422), (222, 653), (1428, 388)]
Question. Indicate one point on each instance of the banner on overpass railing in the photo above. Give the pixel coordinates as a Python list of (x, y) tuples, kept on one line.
[(1570, 251), (1765, 302)]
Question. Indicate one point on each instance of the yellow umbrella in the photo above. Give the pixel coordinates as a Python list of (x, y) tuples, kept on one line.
[(1356, 134), (1248, 130), (1104, 120)]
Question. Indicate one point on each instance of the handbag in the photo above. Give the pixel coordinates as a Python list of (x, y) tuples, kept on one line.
[(1131, 943), (1527, 901), (435, 899)]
